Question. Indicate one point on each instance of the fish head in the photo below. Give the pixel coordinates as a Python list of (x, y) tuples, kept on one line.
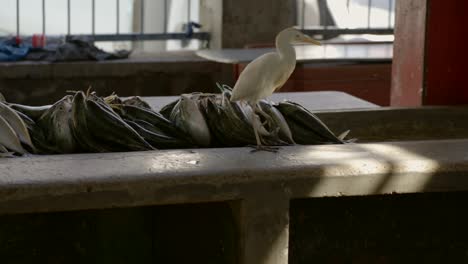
[(188, 104), (136, 101), (78, 105), (63, 106), (60, 108)]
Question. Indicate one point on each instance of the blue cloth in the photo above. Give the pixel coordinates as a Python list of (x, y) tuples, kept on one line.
[(73, 49), (189, 28), (9, 51)]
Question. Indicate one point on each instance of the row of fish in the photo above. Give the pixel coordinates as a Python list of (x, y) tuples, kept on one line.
[(83, 122)]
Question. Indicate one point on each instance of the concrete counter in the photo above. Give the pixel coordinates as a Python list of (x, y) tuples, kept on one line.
[(258, 189), (169, 61), (328, 53), (314, 101), (170, 73), (83, 181), (263, 183)]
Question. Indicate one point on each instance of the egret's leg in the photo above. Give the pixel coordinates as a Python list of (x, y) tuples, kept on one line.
[(268, 118), (260, 110), (255, 124)]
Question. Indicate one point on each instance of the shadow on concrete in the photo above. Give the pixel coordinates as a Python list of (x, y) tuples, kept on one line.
[(427, 225)]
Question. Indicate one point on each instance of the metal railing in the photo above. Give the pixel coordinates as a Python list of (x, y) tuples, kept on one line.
[(118, 36), (328, 28)]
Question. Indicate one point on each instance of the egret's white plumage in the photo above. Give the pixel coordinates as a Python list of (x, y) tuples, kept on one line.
[(270, 71)]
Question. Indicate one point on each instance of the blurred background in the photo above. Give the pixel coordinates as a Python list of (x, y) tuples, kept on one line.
[(372, 20), (168, 40)]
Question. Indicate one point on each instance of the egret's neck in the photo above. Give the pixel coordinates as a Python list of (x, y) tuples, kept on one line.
[(285, 49)]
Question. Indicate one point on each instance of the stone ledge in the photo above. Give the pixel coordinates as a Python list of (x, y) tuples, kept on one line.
[(84, 181), (136, 64), (172, 73)]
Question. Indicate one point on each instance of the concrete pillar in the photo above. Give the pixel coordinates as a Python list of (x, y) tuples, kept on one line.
[(178, 16), (153, 23), (247, 21), (264, 229), (211, 17), (408, 55), (232, 23)]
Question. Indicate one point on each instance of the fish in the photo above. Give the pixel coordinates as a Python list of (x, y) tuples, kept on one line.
[(8, 137), (33, 112), (226, 127), (112, 99), (136, 101), (109, 128), (147, 126), (37, 136), (16, 123), (158, 140), (3, 149), (7, 155), (98, 129), (167, 109), (83, 136), (244, 111), (188, 117), (306, 127), (234, 124), (279, 121), (156, 119), (56, 121), (4, 153), (224, 88)]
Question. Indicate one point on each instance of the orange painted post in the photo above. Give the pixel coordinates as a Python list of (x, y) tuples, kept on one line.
[(408, 53), (430, 54)]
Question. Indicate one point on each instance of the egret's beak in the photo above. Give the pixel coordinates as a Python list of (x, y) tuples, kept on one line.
[(307, 39)]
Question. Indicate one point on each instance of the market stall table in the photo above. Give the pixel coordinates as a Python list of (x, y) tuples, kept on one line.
[(362, 70), (381, 52), (314, 101)]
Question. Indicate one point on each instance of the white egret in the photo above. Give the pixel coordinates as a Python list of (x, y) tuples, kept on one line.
[(268, 73)]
